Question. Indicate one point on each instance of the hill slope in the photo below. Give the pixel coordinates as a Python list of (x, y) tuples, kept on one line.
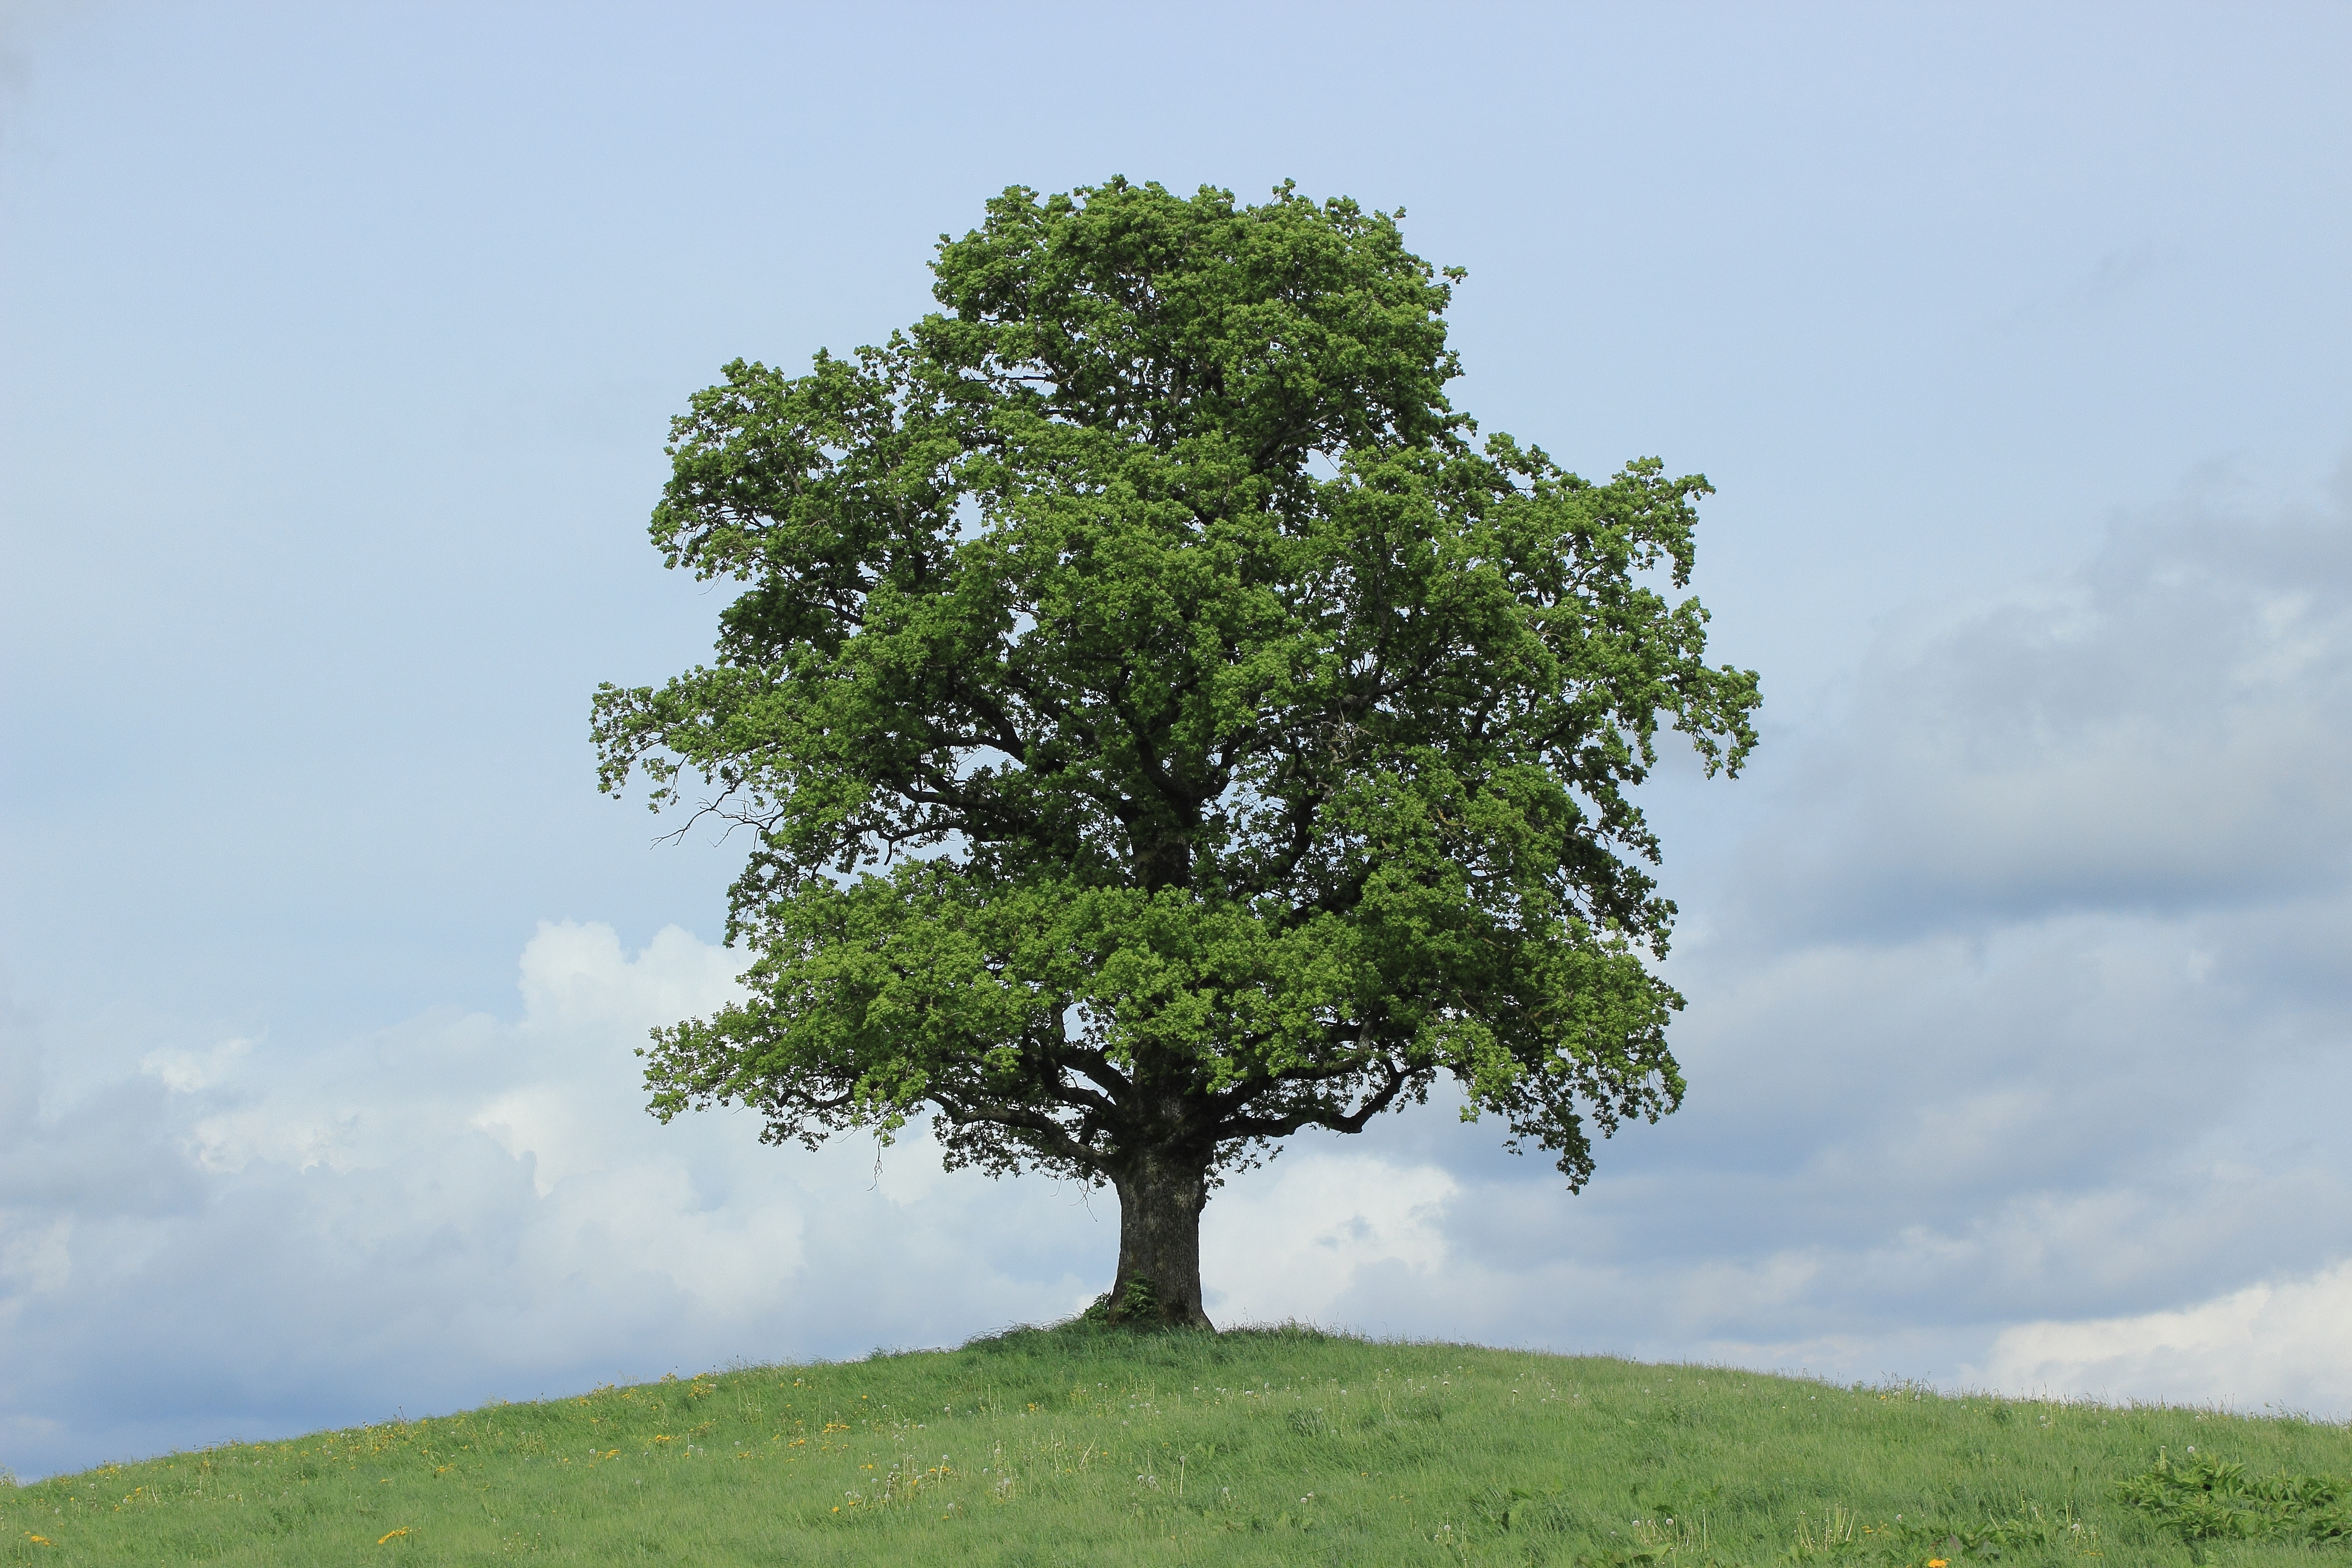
[(1086, 1446)]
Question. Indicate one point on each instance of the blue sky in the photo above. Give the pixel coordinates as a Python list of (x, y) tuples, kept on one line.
[(337, 347)]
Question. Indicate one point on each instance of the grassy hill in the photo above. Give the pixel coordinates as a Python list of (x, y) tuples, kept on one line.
[(1083, 1445)]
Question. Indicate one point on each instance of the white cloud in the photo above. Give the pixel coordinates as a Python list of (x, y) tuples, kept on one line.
[(186, 1071), (2280, 1343), (1290, 1240)]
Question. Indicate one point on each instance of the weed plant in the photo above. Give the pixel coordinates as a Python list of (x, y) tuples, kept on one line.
[(1092, 1446)]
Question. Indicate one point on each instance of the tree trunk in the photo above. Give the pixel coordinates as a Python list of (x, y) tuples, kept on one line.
[(1160, 1195)]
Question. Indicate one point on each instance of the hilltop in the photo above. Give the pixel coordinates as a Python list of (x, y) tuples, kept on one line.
[(1087, 1446)]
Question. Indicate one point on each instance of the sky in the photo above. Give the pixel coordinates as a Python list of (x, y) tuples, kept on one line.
[(337, 351)]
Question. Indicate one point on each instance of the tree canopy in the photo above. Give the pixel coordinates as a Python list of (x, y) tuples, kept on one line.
[(1163, 725)]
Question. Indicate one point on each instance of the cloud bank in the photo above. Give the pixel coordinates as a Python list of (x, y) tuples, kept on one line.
[(247, 1236), (2284, 1339)]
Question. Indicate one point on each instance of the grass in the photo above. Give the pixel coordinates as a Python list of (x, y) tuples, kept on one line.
[(1086, 1445)]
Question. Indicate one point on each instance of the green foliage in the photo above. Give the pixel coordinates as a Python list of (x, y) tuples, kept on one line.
[(2205, 1499), (1138, 1303), (1160, 726), (1089, 1446)]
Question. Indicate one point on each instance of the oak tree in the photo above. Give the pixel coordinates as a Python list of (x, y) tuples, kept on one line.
[(1163, 725)]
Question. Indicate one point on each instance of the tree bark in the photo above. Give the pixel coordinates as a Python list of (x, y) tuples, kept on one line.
[(1160, 1195)]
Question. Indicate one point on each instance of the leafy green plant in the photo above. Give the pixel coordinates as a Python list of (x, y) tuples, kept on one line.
[(2203, 1498), (1135, 1304)]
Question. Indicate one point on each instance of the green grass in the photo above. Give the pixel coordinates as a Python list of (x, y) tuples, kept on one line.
[(1085, 1446)]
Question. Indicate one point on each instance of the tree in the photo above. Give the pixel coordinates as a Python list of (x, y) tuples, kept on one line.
[(1162, 728)]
